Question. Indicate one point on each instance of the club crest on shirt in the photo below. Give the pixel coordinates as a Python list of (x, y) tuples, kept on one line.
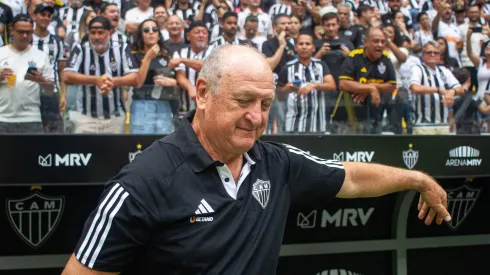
[(381, 68), (348, 33), (163, 62), (261, 190), (113, 65), (51, 46)]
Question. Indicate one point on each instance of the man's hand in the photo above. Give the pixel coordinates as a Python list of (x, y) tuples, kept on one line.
[(375, 97), (305, 90), (432, 202), (448, 99), (63, 103), (175, 62), (6, 73), (290, 87), (344, 51), (192, 93), (282, 39), (35, 76), (326, 48), (105, 84)]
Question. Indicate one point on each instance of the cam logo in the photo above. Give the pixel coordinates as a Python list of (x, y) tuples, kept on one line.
[(360, 156), (133, 155), (338, 272), (410, 157), (464, 156), (306, 221), (66, 160), (460, 202), (35, 218), (342, 218), (261, 191)]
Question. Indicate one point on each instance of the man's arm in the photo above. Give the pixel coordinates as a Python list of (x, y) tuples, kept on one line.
[(191, 63), (73, 78), (385, 87), (373, 180), (355, 87), (74, 267), (130, 79)]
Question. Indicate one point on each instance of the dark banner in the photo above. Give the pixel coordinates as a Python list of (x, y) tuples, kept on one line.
[(342, 220), (84, 159), (367, 263)]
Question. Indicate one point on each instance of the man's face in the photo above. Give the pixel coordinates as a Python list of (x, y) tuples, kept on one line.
[(447, 12), (395, 4), (144, 4), (22, 34), (460, 17), (367, 15), (431, 55), (99, 38), (283, 24), (245, 95), (76, 4), (112, 13), (33, 5), (198, 37), (425, 21), (160, 14), (174, 26), (230, 26), (474, 14), (295, 26), (254, 3), (304, 46), (297, 9), (436, 3), (43, 19), (251, 29), (344, 16), (374, 43), (331, 28)]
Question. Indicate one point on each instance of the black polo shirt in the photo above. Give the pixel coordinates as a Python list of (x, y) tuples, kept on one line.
[(359, 68), (352, 34), (270, 47), (174, 210)]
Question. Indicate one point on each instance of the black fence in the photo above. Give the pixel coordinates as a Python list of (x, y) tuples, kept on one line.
[(50, 184)]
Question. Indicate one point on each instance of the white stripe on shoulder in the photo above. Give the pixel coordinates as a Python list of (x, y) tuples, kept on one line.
[(327, 162), (294, 61)]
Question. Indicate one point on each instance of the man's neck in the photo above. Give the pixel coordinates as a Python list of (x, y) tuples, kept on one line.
[(305, 61), (253, 10), (332, 37), (143, 9), (431, 66), (175, 39), (230, 39), (16, 48), (447, 21), (40, 32), (196, 49), (473, 24), (370, 57), (364, 24), (102, 52)]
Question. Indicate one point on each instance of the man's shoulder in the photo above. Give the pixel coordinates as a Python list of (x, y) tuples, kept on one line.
[(357, 52)]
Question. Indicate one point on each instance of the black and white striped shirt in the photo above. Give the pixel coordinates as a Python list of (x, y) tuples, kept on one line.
[(53, 47), (279, 9), (71, 17), (186, 103), (86, 61), (380, 4), (210, 17), (222, 41), (187, 15), (305, 113), (429, 107)]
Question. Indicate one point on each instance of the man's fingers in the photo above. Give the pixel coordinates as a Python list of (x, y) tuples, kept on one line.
[(423, 210), (442, 211), (421, 202), (432, 214)]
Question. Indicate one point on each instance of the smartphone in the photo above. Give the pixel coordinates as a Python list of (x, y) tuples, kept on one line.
[(335, 47), (297, 82), (477, 29), (30, 69)]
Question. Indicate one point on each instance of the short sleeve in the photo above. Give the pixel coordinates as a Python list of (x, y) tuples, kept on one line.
[(114, 231), (128, 65), (61, 52), (48, 70), (416, 75), (325, 69), (181, 66), (452, 82), (348, 70), (136, 60), (313, 178), (76, 58), (267, 49), (283, 77)]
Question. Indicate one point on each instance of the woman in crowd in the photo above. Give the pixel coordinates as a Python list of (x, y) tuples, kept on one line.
[(294, 28), (450, 62), (151, 112), (423, 34), (75, 37), (399, 21), (482, 64)]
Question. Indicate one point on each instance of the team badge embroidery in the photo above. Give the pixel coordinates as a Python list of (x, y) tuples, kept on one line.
[(113, 65), (381, 68), (163, 62), (35, 218), (261, 190)]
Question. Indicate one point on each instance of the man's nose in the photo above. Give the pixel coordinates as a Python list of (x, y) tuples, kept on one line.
[(254, 114)]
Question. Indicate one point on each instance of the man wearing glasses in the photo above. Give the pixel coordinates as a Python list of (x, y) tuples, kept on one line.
[(24, 71), (434, 87)]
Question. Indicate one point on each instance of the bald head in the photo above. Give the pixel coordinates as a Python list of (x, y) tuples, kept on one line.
[(230, 61)]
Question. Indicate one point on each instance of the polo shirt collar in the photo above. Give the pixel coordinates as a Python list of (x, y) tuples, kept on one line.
[(194, 152)]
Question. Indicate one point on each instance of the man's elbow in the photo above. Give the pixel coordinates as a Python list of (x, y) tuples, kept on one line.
[(343, 85), (67, 77)]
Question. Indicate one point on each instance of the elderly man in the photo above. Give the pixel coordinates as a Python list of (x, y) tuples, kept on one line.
[(211, 198)]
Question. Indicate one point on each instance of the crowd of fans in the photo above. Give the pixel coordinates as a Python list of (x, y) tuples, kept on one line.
[(341, 66)]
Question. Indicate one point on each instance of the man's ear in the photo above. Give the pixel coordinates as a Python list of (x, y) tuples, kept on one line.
[(202, 93)]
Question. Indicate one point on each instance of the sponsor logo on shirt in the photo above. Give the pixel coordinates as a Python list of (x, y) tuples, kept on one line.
[(348, 217), (68, 160), (359, 156), (203, 208), (464, 156), (43, 216)]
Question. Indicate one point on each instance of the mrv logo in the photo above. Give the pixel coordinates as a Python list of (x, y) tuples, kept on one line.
[(35, 218), (74, 159), (341, 218), (464, 156), (360, 156)]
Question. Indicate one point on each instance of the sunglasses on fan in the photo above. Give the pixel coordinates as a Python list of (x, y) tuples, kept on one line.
[(153, 29)]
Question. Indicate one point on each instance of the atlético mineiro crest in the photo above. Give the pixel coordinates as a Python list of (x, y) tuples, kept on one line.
[(460, 202), (410, 157), (35, 217), (381, 68), (261, 190), (132, 155)]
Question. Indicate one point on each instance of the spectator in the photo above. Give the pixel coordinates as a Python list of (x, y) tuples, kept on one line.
[(467, 107), (77, 36), (459, 15), (184, 11), (176, 40), (284, 7), (346, 29), (100, 104), (206, 12), (294, 28), (151, 112), (446, 59), (434, 87), (138, 14), (380, 4), (26, 72), (443, 27), (95, 5), (160, 15), (53, 47), (230, 30), (423, 34), (265, 23), (365, 14), (5, 21), (217, 29), (111, 12), (72, 14), (400, 22), (482, 65), (309, 16), (366, 73), (251, 28), (305, 80), (396, 13)]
